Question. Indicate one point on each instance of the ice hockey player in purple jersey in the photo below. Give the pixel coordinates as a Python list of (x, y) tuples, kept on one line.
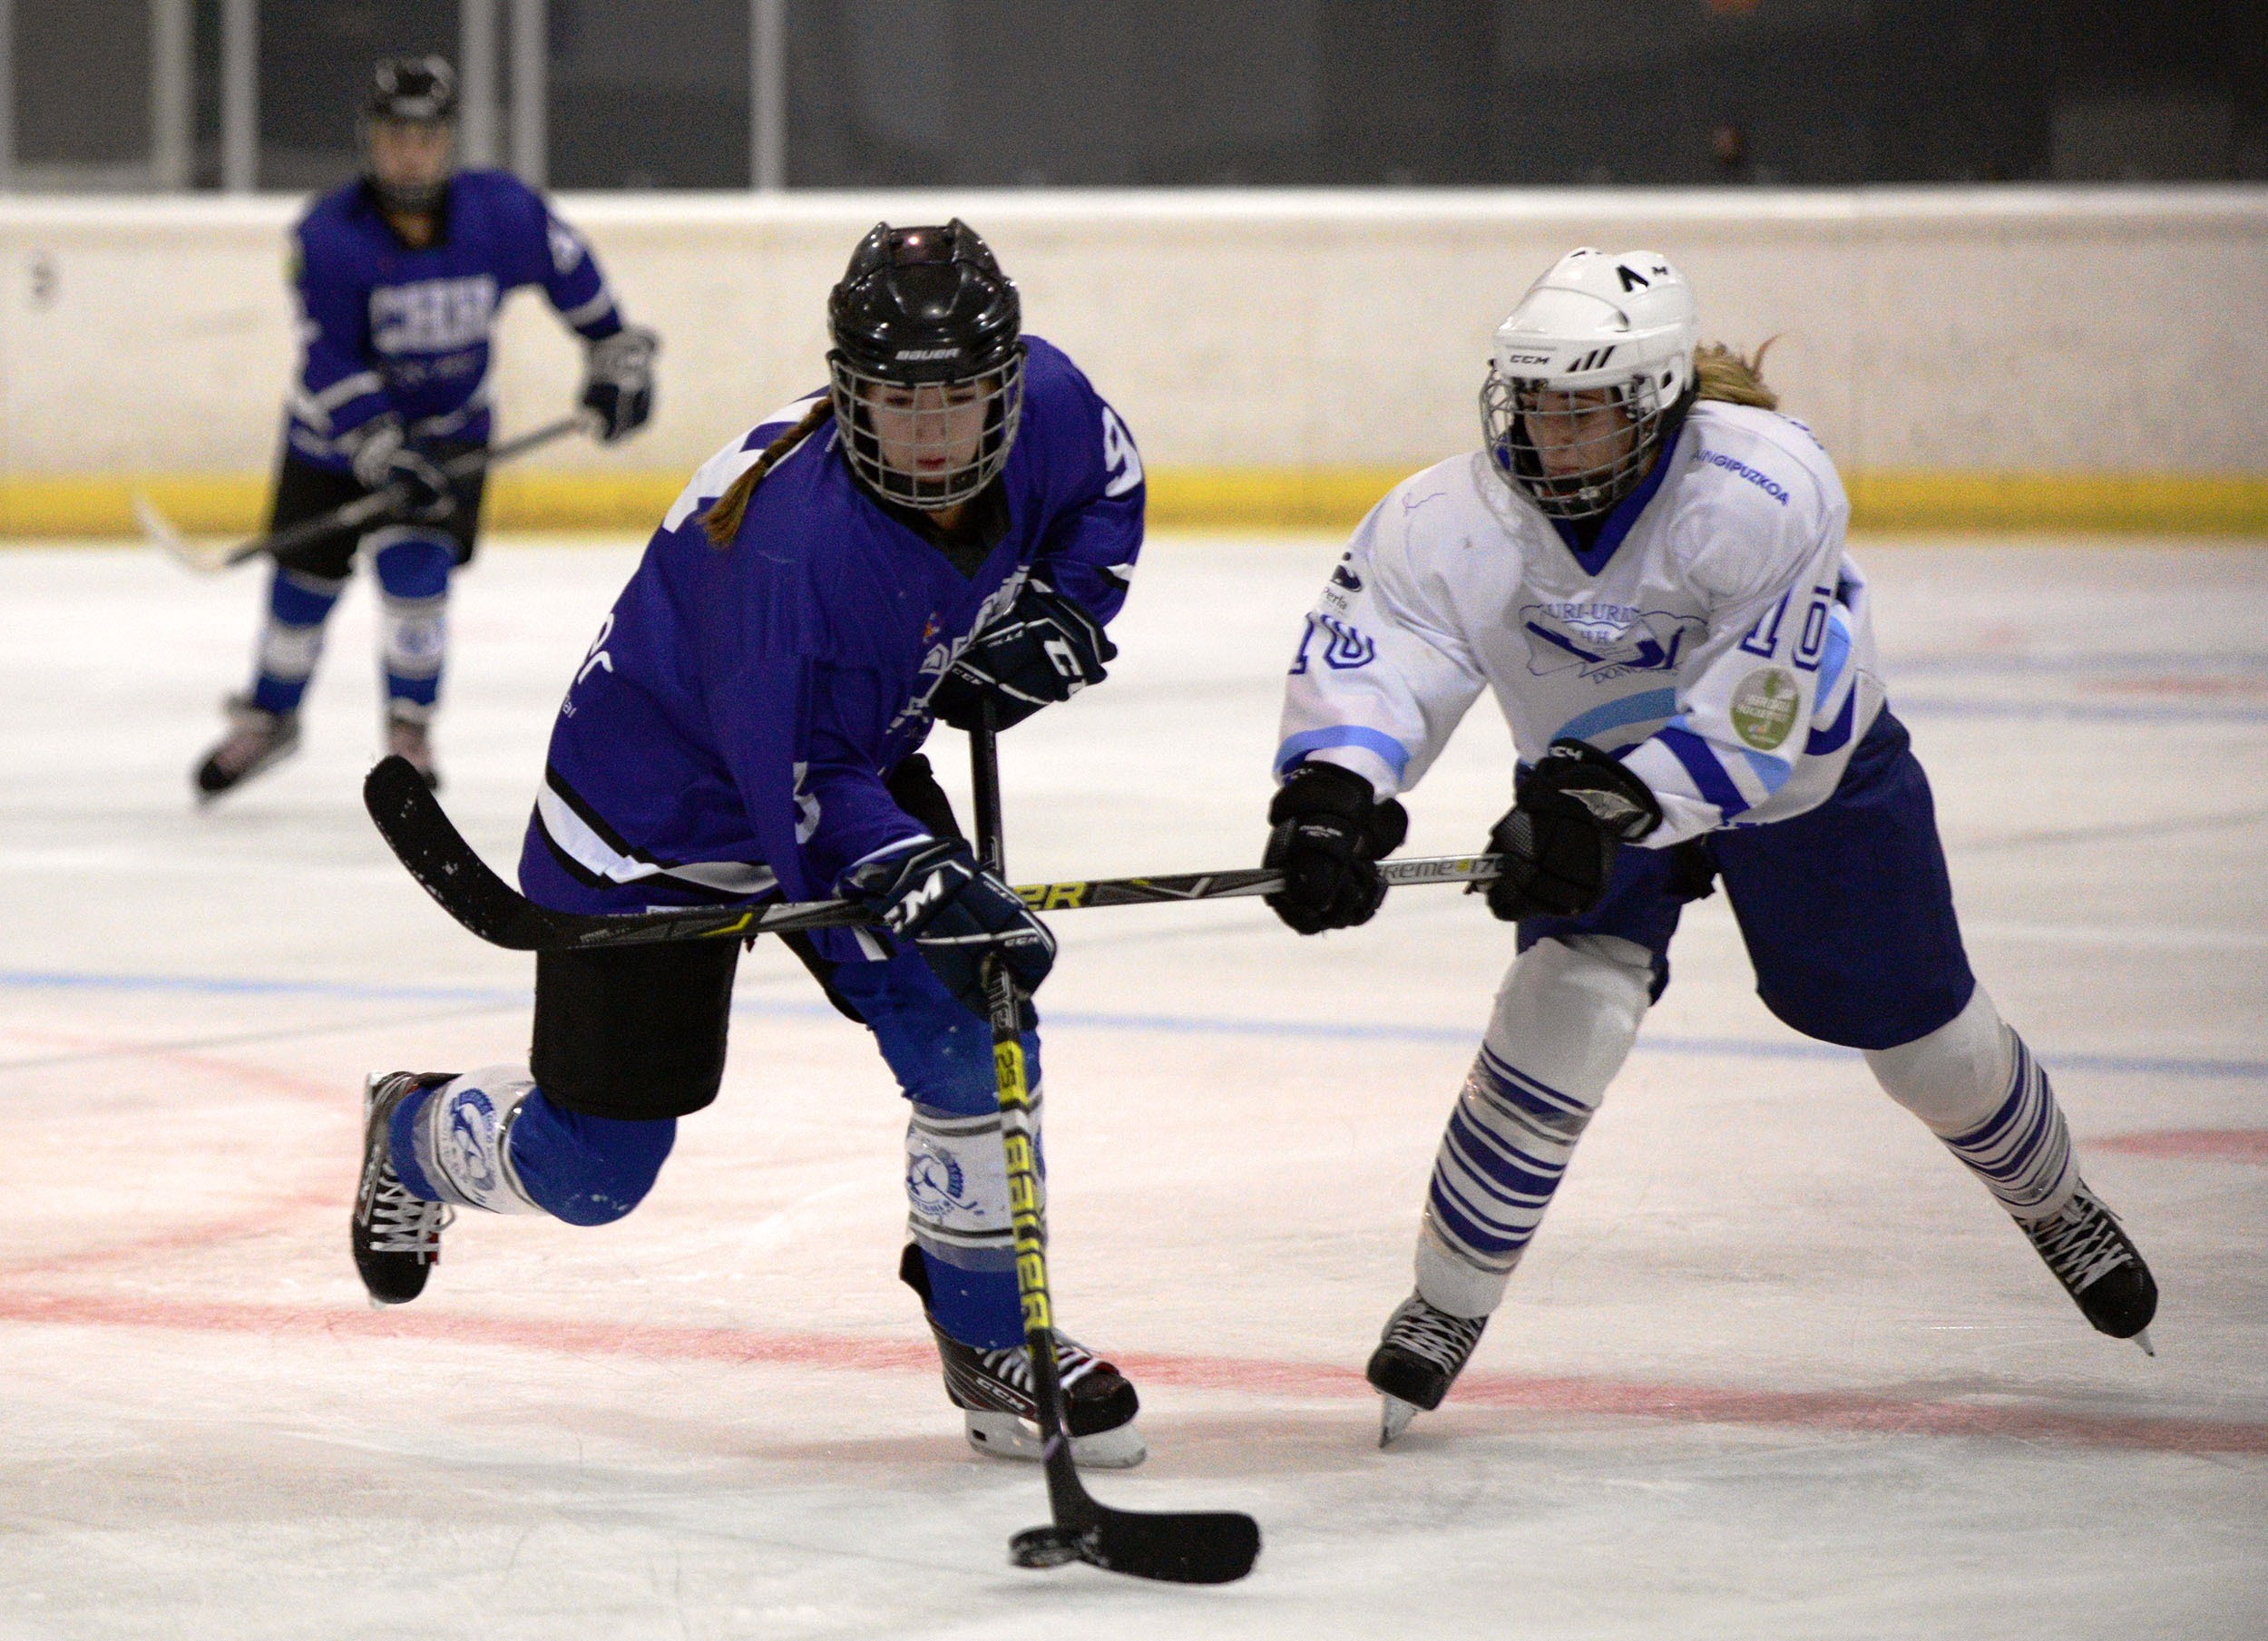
[(1645, 565), (950, 522), (398, 276)]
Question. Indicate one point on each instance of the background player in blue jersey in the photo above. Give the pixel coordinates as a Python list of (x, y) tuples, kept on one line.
[(1646, 564), (950, 522), (398, 276)]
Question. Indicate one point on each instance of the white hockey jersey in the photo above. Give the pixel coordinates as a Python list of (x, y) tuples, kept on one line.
[(1722, 647)]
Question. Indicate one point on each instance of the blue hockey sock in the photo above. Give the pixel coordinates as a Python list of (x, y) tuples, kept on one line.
[(979, 1308), (291, 641), (585, 1170), (414, 596)]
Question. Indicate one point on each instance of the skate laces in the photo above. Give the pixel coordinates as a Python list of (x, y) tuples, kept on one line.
[(2082, 1244), (248, 741), (1436, 1335), (1012, 1364), (399, 1223)]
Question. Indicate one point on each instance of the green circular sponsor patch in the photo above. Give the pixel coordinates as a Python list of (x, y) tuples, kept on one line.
[(1764, 708)]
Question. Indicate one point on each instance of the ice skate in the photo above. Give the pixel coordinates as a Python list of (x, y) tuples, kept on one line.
[(396, 1237), (405, 737), (2098, 1266), (256, 740), (1419, 1357), (993, 1391)]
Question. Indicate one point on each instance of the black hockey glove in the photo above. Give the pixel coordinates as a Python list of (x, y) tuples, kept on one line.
[(383, 456), (957, 915), (618, 381), (1573, 810), (1044, 649), (1329, 835)]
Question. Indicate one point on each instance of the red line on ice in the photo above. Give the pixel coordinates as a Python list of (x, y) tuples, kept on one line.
[(1850, 1410), (2212, 1144)]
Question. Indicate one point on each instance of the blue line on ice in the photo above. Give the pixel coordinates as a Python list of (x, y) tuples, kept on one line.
[(1078, 1019)]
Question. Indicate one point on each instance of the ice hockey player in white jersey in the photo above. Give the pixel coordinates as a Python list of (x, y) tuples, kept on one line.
[(1645, 564)]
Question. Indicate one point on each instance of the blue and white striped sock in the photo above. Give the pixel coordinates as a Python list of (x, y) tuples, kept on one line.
[(1563, 1024), (2022, 1152)]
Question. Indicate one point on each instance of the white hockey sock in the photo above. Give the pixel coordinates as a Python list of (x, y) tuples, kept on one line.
[(1975, 1085), (1565, 1018), (413, 637), (956, 1186), (463, 1139)]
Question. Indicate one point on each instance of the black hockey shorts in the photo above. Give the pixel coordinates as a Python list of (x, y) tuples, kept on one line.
[(304, 492), (634, 1032), (638, 1032)]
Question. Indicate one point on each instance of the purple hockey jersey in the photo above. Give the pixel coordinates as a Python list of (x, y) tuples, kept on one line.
[(728, 734), (386, 326)]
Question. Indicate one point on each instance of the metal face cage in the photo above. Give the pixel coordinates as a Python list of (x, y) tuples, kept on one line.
[(1514, 411), (928, 446)]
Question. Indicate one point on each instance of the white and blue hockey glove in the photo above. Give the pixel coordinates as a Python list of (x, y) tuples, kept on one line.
[(957, 915), (1043, 648), (382, 455), (1573, 809), (618, 381)]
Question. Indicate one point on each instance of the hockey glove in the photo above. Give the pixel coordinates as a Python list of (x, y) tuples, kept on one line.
[(383, 456), (1044, 649), (1329, 835), (957, 915), (618, 381), (1571, 811)]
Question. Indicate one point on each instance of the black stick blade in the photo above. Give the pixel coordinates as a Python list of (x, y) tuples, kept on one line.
[(1199, 1547), (419, 832)]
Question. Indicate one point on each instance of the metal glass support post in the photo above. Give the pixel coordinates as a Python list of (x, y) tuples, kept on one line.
[(7, 96), (767, 96), (239, 96), (476, 81), (531, 72), (170, 77)]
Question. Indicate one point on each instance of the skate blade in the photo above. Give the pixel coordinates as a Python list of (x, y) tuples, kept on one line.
[(1005, 1436), (2142, 1339), (1394, 1417)]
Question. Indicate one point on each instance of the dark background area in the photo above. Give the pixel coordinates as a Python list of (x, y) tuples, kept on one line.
[(1176, 93)]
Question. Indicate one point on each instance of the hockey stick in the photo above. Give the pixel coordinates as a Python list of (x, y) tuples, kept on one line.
[(1188, 1546), (212, 559), (423, 837)]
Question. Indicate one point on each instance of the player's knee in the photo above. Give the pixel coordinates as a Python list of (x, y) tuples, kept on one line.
[(415, 567), (587, 1170), (1594, 970), (1955, 1075)]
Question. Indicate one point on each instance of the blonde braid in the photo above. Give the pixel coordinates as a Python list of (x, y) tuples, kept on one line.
[(721, 521)]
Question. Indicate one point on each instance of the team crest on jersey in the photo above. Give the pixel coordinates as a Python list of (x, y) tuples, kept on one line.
[(1604, 641), (940, 657), (432, 315)]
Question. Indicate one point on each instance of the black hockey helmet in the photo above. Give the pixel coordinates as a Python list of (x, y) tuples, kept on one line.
[(414, 89), (408, 91), (925, 315)]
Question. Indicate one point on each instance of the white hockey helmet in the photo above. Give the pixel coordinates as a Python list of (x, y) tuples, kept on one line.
[(1621, 327)]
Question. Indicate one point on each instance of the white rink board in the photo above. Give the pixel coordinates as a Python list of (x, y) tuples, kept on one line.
[(1774, 1367), (2014, 330)]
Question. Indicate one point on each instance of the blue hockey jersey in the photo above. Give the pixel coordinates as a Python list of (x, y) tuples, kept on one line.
[(388, 328), (728, 734)]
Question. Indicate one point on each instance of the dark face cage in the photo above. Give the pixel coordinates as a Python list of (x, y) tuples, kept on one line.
[(1520, 416), (929, 446)]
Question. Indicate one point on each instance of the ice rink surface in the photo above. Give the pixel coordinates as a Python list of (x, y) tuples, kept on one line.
[(1776, 1366)]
